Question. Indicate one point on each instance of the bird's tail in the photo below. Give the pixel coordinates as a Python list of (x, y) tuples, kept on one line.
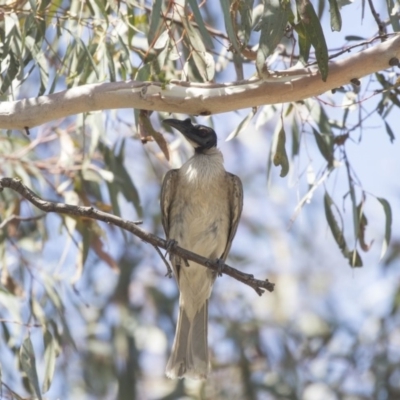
[(189, 356)]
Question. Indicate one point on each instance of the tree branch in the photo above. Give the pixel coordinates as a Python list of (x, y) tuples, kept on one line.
[(90, 212), (197, 98)]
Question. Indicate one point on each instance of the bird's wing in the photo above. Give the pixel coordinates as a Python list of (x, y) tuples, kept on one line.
[(235, 206), (168, 191)]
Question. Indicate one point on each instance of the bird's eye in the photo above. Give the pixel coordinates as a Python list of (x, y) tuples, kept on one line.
[(203, 132)]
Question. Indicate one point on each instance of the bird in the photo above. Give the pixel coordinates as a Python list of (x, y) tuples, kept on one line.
[(201, 205)]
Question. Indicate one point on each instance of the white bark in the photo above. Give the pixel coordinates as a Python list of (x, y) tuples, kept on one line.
[(194, 98)]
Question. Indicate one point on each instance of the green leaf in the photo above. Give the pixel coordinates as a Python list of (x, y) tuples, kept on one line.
[(273, 24), (336, 18), (159, 62), (6, 332), (111, 65), (314, 34), (155, 22), (355, 259), (202, 28), (38, 311), (122, 182), (28, 363), (363, 222), (246, 18), (124, 58), (243, 125), (161, 41), (44, 4), (256, 17), (50, 355), (355, 38), (318, 114), (393, 16), (325, 146), (113, 187), (304, 43), (295, 138), (356, 216), (130, 22), (280, 156), (81, 44), (144, 73), (390, 132), (124, 179), (226, 7), (388, 225), (12, 72), (52, 293), (203, 61), (353, 256), (89, 55), (33, 4)]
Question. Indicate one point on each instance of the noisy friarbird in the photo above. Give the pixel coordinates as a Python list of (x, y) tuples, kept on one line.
[(201, 205)]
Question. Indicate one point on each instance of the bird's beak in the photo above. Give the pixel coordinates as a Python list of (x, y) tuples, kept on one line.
[(199, 136), (185, 127)]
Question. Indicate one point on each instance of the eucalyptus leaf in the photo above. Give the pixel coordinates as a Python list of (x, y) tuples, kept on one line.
[(246, 18), (337, 232), (155, 22), (12, 72), (325, 146), (28, 363), (111, 65), (203, 61), (226, 10), (202, 28), (315, 35), (161, 41), (273, 24), (243, 125), (280, 156), (388, 224), (50, 355), (336, 18), (393, 14), (295, 138), (124, 180), (390, 133)]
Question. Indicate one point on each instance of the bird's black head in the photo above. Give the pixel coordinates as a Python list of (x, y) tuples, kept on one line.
[(199, 136)]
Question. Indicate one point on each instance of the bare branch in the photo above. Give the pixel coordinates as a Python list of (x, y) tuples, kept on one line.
[(90, 212), (197, 98)]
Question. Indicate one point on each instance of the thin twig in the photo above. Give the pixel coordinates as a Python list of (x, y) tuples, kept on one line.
[(169, 269), (27, 325), (381, 25), (15, 184), (14, 217)]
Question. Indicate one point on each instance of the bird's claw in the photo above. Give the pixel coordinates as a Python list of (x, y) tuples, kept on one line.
[(220, 266), (171, 243)]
